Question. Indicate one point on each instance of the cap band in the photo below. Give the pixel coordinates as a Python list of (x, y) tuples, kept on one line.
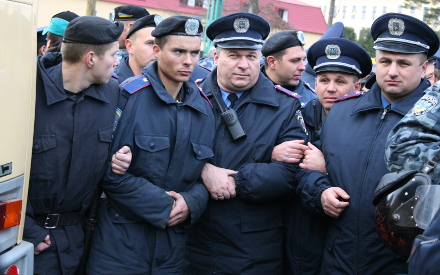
[(238, 38), (417, 43), (338, 64), (57, 26)]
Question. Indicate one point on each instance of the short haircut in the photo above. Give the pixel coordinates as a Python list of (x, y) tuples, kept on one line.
[(423, 58), (437, 73), (278, 56), (73, 52), (56, 42), (161, 41)]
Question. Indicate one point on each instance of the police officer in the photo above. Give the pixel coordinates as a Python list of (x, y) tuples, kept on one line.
[(353, 143), (41, 41), (74, 114), (339, 64), (139, 45), (432, 69), (55, 31), (284, 63), (241, 230), (127, 15), (169, 126)]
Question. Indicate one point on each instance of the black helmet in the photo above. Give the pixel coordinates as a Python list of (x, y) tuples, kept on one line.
[(405, 204)]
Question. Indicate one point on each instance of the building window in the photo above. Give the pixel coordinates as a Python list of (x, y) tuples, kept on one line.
[(425, 12), (344, 11), (192, 3), (364, 12), (373, 13), (399, 9), (283, 14), (384, 10), (324, 10), (412, 11), (353, 12)]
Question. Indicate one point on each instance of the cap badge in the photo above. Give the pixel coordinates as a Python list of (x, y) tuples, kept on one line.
[(157, 19), (396, 26), (241, 25), (192, 26), (333, 51), (124, 15), (301, 37)]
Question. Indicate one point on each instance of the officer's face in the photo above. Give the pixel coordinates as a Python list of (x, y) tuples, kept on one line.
[(104, 66), (177, 58), (430, 73), (237, 69), (398, 74), (140, 46), (289, 68), (331, 85)]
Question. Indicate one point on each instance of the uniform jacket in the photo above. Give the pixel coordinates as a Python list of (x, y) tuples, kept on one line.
[(70, 149), (353, 142), (415, 139), (170, 141), (243, 235)]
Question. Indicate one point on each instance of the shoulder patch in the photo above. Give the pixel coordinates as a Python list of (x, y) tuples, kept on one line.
[(424, 105), (300, 118), (347, 96), (114, 75), (202, 93), (309, 87), (134, 84), (287, 92)]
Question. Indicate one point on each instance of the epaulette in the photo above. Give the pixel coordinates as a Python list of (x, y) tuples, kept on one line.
[(310, 87), (287, 92), (134, 84), (208, 69), (351, 95), (114, 75), (202, 93)]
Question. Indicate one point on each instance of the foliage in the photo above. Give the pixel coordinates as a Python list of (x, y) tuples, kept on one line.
[(366, 41), (431, 14), (350, 34)]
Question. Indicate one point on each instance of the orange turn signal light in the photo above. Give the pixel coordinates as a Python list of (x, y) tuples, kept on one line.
[(10, 213)]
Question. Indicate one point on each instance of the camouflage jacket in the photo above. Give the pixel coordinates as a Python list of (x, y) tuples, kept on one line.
[(416, 138)]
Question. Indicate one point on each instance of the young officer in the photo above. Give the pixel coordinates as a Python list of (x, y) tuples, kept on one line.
[(169, 126)]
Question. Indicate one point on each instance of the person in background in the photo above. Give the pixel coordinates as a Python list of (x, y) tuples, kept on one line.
[(55, 31), (41, 41)]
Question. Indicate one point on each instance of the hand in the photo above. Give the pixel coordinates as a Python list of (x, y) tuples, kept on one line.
[(42, 246), (121, 160), (219, 181), (180, 210), (290, 151), (313, 159), (331, 201)]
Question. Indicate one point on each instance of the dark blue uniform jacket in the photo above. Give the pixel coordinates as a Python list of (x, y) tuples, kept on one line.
[(170, 141), (70, 149), (353, 142), (244, 235)]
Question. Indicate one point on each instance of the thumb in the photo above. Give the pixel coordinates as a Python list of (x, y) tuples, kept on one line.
[(341, 193), (124, 150), (298, 141), (311, 146)]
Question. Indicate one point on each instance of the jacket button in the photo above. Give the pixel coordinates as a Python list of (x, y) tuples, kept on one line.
[(36, 146), (152, 145), (116, 216), (199, 153)]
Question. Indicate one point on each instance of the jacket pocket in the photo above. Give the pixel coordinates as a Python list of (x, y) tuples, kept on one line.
[(44, 159), (153, 156), (103, 148)]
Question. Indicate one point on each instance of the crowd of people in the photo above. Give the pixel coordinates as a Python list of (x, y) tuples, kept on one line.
[(239, 168)]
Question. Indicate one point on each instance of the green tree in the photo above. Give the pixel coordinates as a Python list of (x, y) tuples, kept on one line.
[(350, 34), (366, 41), (431, 15)]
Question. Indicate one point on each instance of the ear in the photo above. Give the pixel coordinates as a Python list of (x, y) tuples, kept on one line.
[(424, 66), (48, 44), (271, 62), (129, 45), (357, 86), (156, 50), (90, 59), (216, 55)]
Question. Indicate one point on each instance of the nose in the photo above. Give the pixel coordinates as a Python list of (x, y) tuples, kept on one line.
[(243, 63), (393, 70), (187, 59), (302, 66), (331, 87), (116, 62)]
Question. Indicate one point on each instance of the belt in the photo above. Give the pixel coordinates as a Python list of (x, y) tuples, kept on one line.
[(51, 221)]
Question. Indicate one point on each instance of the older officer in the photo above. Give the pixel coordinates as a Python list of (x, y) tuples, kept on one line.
[(338, 63), (241, 230), (74, 114), (139, 45), (169, 126), (127, 15), (284, 63), (353, 142)]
